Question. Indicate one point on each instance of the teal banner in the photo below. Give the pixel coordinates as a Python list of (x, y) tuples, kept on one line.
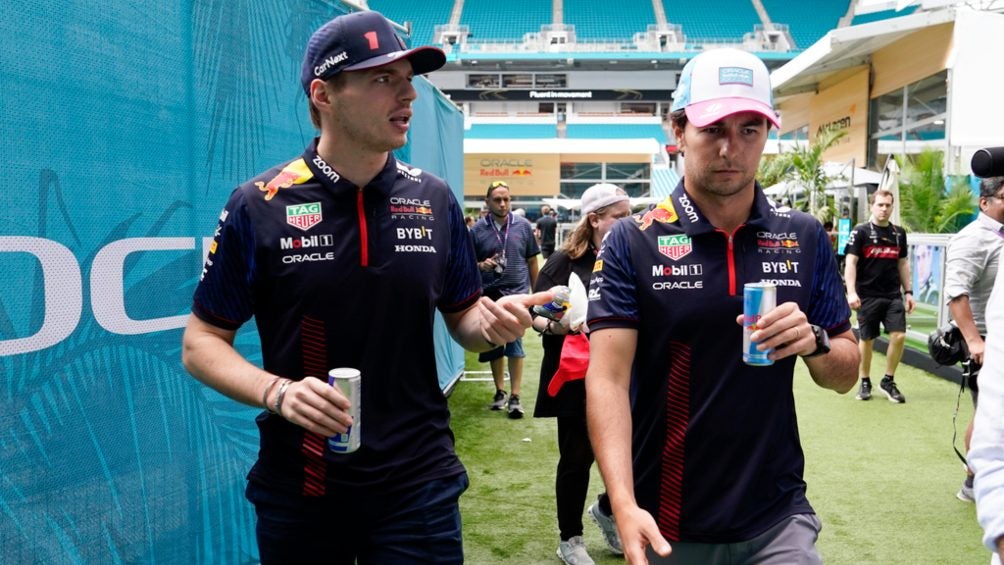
[(125, 127)]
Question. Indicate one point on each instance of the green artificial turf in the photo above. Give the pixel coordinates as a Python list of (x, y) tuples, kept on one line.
[(881, 476)]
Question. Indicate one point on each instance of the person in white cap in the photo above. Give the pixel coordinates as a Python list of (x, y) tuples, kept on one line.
[(699, 451), (342, 255), (562, 392)]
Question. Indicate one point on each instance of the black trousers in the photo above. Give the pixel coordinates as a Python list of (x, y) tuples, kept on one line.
[(575, 458)]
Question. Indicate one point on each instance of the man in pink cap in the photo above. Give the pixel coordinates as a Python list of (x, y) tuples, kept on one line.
[(714, 469)]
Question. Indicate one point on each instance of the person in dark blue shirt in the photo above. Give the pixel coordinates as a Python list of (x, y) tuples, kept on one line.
[(697, 448), (506, 250), (342, 256)]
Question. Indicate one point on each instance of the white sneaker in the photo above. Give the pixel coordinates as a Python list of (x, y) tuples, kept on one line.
[(573, 552)]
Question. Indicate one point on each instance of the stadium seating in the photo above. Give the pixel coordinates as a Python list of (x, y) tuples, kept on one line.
[(608, 20), (424, 17), (723, 19), (807, 21), (490, 20), (883, 15)]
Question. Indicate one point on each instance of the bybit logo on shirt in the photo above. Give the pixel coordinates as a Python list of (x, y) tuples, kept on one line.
[(779, 267), (414, 233)]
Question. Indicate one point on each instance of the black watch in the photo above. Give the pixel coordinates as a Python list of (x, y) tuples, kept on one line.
[(822, 341)]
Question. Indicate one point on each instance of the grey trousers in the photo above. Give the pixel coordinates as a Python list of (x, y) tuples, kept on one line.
[(791, 542)]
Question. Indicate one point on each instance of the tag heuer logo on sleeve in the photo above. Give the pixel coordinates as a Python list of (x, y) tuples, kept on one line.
[(304, 216), (675, 247)]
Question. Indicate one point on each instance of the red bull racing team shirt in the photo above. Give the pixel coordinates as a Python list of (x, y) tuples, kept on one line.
[(717, 457), (341, 276)]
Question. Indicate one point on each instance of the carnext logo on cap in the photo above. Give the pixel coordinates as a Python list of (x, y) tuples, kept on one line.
[(330, 62), (735, 75)]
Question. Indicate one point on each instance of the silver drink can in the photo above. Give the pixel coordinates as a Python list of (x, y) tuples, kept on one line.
[(758, 299), (349, 381)]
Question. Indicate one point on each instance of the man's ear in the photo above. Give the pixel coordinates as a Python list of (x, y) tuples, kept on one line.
[(319, 93)]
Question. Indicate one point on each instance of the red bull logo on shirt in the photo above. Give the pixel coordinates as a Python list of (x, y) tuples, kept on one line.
[(663, 212), (293, 173)]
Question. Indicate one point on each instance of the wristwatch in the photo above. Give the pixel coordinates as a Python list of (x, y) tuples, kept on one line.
[(822, 341)]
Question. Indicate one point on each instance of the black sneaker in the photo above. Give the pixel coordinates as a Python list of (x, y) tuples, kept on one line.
[(499, 401), (865, 392), (888, 386), (515, 408)]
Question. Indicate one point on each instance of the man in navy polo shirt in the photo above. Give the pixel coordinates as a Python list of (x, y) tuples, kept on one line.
[(698, 449), (507, 251), (342, 256)]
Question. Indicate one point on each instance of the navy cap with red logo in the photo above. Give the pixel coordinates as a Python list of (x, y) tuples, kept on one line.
[(361, 40)]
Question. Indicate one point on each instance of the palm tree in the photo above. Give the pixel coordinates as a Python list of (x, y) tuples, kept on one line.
[(803, 165), (926, 207)]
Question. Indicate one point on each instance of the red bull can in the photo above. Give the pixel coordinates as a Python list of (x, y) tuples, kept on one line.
[(349, 381), (758, 299), (559, 304)]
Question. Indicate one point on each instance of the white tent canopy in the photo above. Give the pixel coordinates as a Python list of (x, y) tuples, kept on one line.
[(840, 175)]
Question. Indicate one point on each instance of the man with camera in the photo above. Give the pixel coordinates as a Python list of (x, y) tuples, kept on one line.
[(970, 270), (506, 250)]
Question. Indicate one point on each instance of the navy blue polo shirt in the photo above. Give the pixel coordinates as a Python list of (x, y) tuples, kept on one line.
[(515, 241), (717, 458), (338, 276)]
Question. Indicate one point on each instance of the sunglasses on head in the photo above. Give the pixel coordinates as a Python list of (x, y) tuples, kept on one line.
[(497, 184)]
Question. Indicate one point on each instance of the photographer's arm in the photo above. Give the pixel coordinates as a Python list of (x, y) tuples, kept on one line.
[(962, 313)]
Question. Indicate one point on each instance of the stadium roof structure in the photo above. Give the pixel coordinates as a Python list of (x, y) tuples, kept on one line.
[(847, 47)]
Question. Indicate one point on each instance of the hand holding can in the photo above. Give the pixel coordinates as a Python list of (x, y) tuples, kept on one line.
[(349, 382), (556, 308), (758, 299)]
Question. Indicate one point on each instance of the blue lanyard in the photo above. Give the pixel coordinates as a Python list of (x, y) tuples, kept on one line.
[(496, 230)]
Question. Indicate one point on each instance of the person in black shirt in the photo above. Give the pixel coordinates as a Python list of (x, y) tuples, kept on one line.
[(876, 267), (546, 231), (562, 391), (342, 256)]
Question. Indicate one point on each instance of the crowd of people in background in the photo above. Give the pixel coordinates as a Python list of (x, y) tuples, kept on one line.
[(665, 304)]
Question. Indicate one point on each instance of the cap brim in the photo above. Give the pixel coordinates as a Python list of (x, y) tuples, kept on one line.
[(710, 111), (423, 60)]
